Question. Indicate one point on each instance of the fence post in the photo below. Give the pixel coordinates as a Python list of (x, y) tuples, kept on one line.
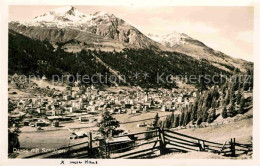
[(162, 142), (199, 145), (234, 147), (106, 149), (90, 144), (203, 145), (231, 146)]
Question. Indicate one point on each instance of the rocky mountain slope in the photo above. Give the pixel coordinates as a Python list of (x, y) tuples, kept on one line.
[(183, 43), (68, 23), (107, 32)]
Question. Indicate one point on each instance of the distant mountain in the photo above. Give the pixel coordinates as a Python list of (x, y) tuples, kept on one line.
[(183, 43), (173, 39), (68, 23), (75, 31)]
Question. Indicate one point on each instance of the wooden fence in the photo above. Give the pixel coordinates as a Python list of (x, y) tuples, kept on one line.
[(139, 145), (147, 144), (185, 143)]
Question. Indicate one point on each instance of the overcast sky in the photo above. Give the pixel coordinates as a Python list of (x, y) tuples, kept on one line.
[(227, 29)]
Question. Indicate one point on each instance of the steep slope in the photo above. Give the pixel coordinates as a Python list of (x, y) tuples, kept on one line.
[(34, 57), (107, 32), (183, 43), (101, 23), (29, 56), (60, 35)]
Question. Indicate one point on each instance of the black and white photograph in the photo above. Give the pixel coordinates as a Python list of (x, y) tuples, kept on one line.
[(89, 82)]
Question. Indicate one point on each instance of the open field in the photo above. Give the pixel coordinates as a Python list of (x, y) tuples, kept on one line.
[(137, 119), (52, 137), (44, 84), (62, 126), (241, 130), (46, 140)]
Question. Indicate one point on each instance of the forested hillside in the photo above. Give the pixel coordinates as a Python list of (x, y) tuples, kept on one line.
[(155, 64), (28, 56), (232, 98)]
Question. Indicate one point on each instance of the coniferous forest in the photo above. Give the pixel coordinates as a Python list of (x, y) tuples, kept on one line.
[(227, 100), (28, 56)]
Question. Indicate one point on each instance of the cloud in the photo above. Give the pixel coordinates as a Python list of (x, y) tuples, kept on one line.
[(246, 36)]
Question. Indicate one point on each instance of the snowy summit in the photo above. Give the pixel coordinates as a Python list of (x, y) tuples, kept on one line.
[(172, 39), (67, 16)]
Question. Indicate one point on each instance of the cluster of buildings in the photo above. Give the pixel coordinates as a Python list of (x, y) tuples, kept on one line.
[(87, 104)]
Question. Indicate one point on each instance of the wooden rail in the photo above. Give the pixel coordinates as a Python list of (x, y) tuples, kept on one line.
[(194, 138), (135, 146), (139, 141), (180, 146), (137, 152), (146, 144)]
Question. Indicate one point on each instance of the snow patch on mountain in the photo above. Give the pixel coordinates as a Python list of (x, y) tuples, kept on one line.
[(100, 23), (67, 17), (170, 40)]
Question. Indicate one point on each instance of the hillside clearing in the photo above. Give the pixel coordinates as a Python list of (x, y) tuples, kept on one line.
[(241, 130)]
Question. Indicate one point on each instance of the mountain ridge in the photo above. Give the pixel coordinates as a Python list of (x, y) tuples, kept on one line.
[(99, 23), (106, 31), (185, 44)]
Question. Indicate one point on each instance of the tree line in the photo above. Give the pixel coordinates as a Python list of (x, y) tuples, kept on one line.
[(227, 100)]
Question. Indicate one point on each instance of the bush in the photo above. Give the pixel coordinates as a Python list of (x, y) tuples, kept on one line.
[(13, 141)]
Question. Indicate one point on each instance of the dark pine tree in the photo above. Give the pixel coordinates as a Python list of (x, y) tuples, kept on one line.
[(107, 124), (182, 119), (224, 113), (187, 118), (156, 120), (176, 121), (199, 121), (242, 106)]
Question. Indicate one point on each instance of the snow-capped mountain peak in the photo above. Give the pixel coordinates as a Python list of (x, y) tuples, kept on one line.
[(103, 24), (63, 14), (67, 16), (171, 39), (68, 11), (65, 9)]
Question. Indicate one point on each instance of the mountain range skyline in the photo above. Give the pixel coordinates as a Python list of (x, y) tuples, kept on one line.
[(242, 49), (137, 81)]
